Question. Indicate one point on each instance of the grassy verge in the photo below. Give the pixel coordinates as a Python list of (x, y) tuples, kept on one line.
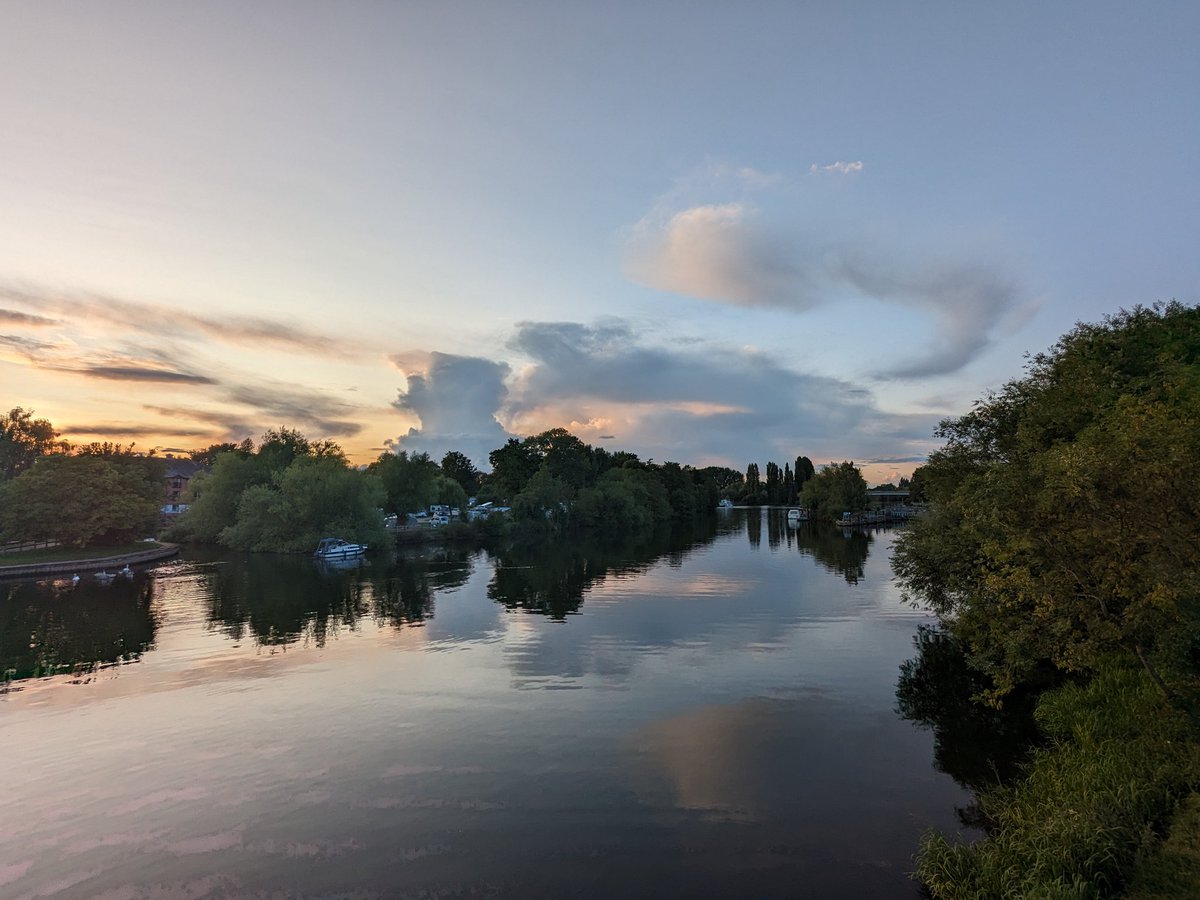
[(1092, 806), (1173, 872), (64, 554)]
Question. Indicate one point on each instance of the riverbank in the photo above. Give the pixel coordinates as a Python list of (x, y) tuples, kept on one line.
[(1089, 816), (46, 567)]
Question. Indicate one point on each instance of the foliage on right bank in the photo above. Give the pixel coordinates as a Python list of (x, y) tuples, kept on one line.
[(1062, 547)]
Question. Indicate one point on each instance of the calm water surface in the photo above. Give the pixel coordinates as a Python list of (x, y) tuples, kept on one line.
[(701, 715)]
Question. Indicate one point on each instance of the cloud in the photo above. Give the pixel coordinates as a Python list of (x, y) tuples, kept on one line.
[(314, 412), (738, 254), (137, 373), (27, 347), (715, 252), (270, 405), (456, 398), (968, 299), (109, 429), (668, 401), (177, 321), (13, 317), (838, 168), (232, 426)]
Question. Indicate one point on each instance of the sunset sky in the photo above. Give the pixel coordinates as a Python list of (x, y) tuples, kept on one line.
[(706, 232)]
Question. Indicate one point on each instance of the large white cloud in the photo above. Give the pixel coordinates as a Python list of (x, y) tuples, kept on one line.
[(456, 398)]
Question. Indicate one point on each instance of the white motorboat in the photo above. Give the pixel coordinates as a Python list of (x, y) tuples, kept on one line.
[(336, 548)]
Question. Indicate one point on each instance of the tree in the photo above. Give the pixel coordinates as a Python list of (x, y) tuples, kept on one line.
[(208, 455), (774, 485), (458, 466), (512, 467), (83, 500), (314, 497), (837, 488), (544, 498), (410, 482), (216, 494), (753, 485), (804, 471), (1065, 514), (23, 439)]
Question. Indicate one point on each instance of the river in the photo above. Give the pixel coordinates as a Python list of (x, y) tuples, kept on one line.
[(685, 715)]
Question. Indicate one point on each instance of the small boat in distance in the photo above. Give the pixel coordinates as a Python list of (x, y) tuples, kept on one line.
[(796, 515), (336, 548)]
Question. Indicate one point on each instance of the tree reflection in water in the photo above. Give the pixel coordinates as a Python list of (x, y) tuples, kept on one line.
[(840, 550), (279, 600), (551, 577), (977, 745), (48, 628)]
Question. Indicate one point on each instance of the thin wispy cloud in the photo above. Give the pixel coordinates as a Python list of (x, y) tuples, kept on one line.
[(122, 430), (837, 168), (85, 307), (13, 317), (26, 347), (135, 373), (309, 410)]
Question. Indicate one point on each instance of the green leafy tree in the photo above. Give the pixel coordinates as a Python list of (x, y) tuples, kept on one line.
[(545, 498), (459, 467), (1064, 525), (837, 488), (83, 500), (752, 490), (512, 467), (314, 497), (804, 471), (410, 482), (774, 486), (208, 456), (216, 495), (23, 439)]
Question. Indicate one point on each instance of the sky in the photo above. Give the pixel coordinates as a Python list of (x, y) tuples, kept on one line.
[(712, 233)]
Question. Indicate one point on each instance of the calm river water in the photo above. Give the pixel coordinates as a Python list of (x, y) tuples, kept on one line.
[(709, 714)]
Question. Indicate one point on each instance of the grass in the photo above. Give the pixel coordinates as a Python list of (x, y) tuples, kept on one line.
[(1173, 872), (1091, 807), (66, 554)]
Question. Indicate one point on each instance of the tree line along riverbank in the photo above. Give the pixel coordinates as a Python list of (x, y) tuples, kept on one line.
[(1062, 555)]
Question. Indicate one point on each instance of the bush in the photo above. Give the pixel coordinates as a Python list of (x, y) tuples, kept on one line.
[(1090, 805)]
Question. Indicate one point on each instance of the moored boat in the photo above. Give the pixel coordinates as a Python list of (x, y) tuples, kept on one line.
[(336, 548)]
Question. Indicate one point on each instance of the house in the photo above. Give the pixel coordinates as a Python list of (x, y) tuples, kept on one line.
[(178, 476)]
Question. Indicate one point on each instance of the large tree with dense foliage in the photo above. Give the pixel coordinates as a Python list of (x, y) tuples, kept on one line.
[(1065, 524), (314, 497), (458, 466), (85, 499), (287, 495), (23, 439), (837, 488)]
